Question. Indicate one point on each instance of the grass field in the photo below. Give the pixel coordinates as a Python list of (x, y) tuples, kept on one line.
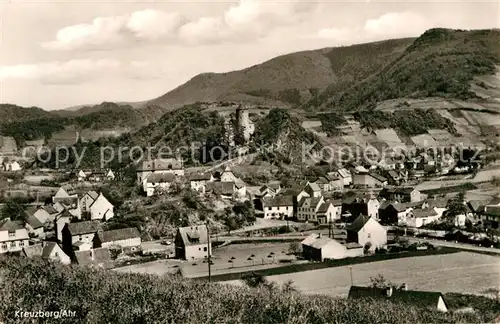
[(462, 272)]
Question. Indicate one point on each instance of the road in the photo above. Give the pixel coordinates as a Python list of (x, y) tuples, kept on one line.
[(462, 246)]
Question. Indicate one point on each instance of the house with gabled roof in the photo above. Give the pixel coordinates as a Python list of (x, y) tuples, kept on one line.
[(110, 175), (159, 166), (47, 251), (313, 189), (308, 208), (345, 175), (158, 181), (13, 236), (94, 258), (402, 194), (45, 214), (393, 213), (101, 209), (225, 190), (367, 232), (87, 200), (421, 299), (64, 194), (319, 248), (421, 216), (81, 231), (192, 242), (129, 238), (34, 227), (198, 181), (329, 211), (278, 207)]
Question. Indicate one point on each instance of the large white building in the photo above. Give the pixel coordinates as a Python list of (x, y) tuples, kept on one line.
[(279, 207), (13, 236)]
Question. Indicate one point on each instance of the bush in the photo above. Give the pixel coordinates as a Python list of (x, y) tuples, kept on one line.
[(99, 296)]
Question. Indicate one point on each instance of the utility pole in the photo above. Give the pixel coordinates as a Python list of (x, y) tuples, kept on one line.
[(209, 254), (350, 270)]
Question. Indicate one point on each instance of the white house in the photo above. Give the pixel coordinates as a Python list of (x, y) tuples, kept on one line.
[(64, 193), (367, 232), (228, 176), (329, 211), (46, 214), (155, 181), (159, 166), (280, 207), (12, 166), (101, 209), (13, 236), (346, 176), (82, 176), (47, 251), (198, 181), (34, 227), (110, 175), (420, 217), (87, 200)]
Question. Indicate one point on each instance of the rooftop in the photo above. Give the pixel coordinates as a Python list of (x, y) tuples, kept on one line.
[(119, 234), (194, 235), (85, 227)]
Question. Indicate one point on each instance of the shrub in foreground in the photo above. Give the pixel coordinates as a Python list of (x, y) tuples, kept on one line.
[(99, 296)]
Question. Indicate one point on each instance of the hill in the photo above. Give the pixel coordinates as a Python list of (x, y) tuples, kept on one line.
[(98, 296), (440, 63), (287, 80), (11, 113)]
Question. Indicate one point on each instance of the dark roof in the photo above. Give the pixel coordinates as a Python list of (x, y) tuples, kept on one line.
[(47, 249), (393, 174), (161, 164), (96, 257), (384, 205), (34, 222), (359, 223), (421, 213), (119, 234), (278, 201), (323, 208), (437, 203), (50, 209), (413, 297), (313, 201), (194, 235), (200, 176), (11, 226), (221, 188), (322, 180), (33, 250), (160, 177), (399, 207), (83, 227), (401, 190), (93, 194), (378, 177)]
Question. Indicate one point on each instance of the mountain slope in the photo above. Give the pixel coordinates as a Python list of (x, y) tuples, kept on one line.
[(440, 63), (11, 113), (288, 79)]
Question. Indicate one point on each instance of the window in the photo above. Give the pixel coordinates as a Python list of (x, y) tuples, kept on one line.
[(205, 249), (369, 235), (21, 243), (13, 244), (4, 246)]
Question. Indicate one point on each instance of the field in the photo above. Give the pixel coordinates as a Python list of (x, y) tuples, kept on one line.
[(462, 272), (238, 254)]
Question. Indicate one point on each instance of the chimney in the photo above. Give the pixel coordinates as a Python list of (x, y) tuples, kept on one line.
[(388, 291), (404, 287), (319, 235)]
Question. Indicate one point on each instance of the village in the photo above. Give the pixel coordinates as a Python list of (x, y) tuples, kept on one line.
[(356, 214)]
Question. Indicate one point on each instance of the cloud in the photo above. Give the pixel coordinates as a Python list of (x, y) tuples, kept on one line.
[(69, 72), (247, 19), (394, 24)]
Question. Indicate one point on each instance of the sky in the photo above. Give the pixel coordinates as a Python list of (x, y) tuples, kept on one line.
[(56, 54)]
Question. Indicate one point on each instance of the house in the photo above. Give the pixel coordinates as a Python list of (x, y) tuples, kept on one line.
[(82, 175), (76, 232), (13, 236), (159, 166), (266, 192), (87, 200), (393, 213), (46, 214), (323, 184), (368, 180), (402, 194), (387, 163), (224, 189), (83, 246), (394, 177), (228, 176), (47, 251), (336, 183), (156, 181), (192, 243), (60, 221), (110, 175), (280, 207), (329, 211), (424, 299), (97, 176), (198, 181), (65, 194), (101, 209), (319, 248), (366, 231), (439, 205), (313, 190), (357, 205), (308, 208), (346, 176), (128, 238), (420, 217), (241, 188), (95, 258), (11, 166), (34, 227)]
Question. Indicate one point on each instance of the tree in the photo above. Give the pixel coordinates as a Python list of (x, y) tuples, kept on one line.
[(289, 287), (455, 207), (13, 210)]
